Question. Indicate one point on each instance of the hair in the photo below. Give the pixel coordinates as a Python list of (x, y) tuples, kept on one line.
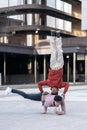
[(54, 87), (57, 98)]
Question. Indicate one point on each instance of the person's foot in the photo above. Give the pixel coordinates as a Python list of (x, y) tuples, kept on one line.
[(53, 33), (8, 91), (57, 34)]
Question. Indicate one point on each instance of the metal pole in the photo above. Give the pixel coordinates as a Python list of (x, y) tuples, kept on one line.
[(4, 69), (85, 68), (35, 69), (74, 67), (44, 67), (68, 68)]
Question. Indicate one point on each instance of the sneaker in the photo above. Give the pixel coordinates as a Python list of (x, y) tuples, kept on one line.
[(53, 33), (8, 91), (57, 34)]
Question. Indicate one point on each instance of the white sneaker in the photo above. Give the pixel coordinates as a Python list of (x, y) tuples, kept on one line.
[(8, 91)]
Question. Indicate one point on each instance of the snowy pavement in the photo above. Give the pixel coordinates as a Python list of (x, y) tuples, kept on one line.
[(17, 113)]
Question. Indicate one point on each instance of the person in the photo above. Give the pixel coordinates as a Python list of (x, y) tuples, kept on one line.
[(31, 96), (55, 75), (49, 100)]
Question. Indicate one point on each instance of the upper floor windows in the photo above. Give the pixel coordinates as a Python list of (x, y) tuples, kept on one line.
[(7, 3), (60, 5), (59, 23)]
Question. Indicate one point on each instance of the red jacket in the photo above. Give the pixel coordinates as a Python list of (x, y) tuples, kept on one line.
[(54, 80)]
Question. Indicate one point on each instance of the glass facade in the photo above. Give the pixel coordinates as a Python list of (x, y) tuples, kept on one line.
[(35, 19), (31, 40), (60, 5), (5, 3), (56, 22), (59, 23)]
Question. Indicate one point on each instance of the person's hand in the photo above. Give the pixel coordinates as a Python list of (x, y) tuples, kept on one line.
[(55, 110), (58, 112), (63, 95)]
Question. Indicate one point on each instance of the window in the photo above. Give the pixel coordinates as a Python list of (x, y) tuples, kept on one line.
[(51, 3), (29, 1), (59, 5), (18, 17), (67, 26), (51, 21), (3, 3), (29, 19), (67, 8), (14, 2), (59, 24), (63, 6), (63, 25)]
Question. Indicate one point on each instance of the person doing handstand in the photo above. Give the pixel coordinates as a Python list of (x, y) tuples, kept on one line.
[(55, 75), (56, 80)]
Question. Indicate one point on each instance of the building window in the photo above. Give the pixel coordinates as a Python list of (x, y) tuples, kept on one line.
[(63, 6), (36, 1), (14, 2), (51, 3), (67, 26), (29, 19), (59, 24), (18, 17), (67, 8), (59, 5), (29, 1), (3, 3), (51, 21)]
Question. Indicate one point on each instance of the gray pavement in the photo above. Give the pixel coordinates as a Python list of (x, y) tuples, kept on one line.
[(17, 113)]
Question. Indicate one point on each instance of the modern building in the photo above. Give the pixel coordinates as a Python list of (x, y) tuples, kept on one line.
[(25, 35)]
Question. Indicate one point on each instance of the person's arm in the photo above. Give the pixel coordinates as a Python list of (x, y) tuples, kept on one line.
[(45, 110), (40, 88), (65, 85), (44, 103), (63, 110)]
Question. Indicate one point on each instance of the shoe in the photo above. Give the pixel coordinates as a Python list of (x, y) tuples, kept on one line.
[(53, 33), (57, 34), (8, 91)]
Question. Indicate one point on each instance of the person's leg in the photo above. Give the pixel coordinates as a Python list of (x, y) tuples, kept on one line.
[(60, 60), (56, 59), (31, 96), (53, 50)]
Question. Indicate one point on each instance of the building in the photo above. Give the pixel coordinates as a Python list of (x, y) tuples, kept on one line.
[(24, 39)]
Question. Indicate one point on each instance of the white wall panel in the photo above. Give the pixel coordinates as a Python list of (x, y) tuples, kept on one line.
[(84, 14)]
